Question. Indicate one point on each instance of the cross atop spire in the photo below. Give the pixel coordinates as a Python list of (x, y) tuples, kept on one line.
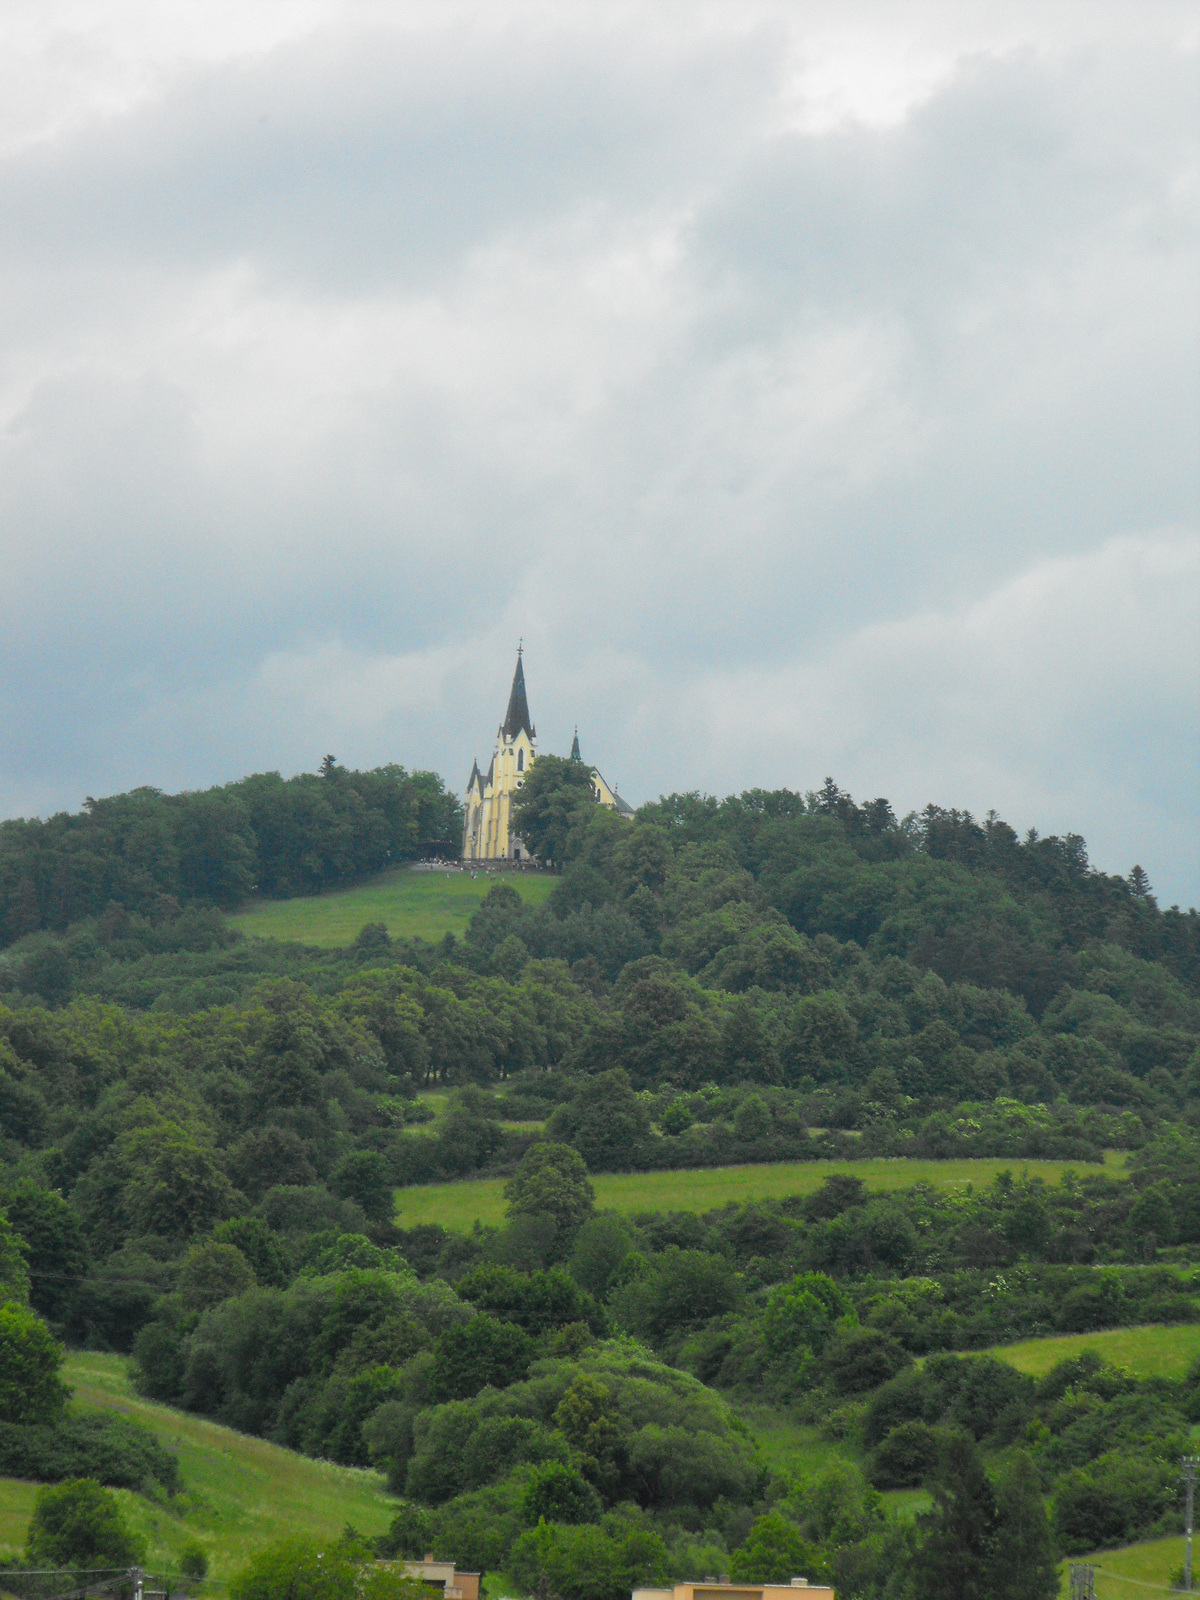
[(517, 715)]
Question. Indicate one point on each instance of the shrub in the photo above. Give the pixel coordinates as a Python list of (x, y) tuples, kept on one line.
[(905, 1457), (589, 1562), (863, 1360), (295, 1569), (774, 1552), (1110, 1502), (193, 1561), (79, 1524), (481, 1352), (30, 1387), (560, 1494), (213, 1272), (408, 1534), (552, 1183)]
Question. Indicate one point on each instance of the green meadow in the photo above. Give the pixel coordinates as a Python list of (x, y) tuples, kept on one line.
[(1126, 1574), (240, 1493), (1149, 1352), (459, 1206), (411, 902)]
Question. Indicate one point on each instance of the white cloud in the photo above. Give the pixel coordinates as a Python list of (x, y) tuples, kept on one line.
[(830, 363), (1067, 699)]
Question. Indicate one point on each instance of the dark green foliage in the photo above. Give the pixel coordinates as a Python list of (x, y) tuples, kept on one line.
[(906, 1457), (31, 1390), (560, 1494), (79, 1524), (135, 857), (363, 1176), (605, 1121), (213, 1272), (264, 1250), (114, 1450), (1111, 1501), (956, 1554), (57, 1252), (193, 1561), (800, 1315), (552, 806), (535, 1301), (551, 1185), (601, 1245), (462, 1446), (481, 1353), (1024, 1559), (863, 1359), (593, 1562), (408, 1533), (775, 1551), (706, 985), (679, 1289)]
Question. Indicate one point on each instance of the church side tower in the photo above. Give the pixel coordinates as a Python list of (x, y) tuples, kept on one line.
[(486, 832)]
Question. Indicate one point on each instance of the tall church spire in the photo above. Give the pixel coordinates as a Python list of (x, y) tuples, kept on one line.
[(517, 715), (575, 756)]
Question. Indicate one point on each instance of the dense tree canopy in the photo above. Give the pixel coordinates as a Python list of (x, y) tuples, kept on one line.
[(203, 1137)]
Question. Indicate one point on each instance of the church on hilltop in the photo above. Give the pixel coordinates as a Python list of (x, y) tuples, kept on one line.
[(486, 832)]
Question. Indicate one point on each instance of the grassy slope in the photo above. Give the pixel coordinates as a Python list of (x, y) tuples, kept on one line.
[(1150, 1352), (1155, 1562), (411, 902), (241, 1492), (458, 1205)]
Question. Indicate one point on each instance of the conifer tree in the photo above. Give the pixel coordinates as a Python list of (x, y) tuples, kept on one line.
[(1023, 1564), (958, 1534)]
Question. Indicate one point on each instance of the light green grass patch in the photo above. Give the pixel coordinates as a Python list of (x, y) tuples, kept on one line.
[(1150, 1352), (1123, 1572), (240, 1493), (789, 1446), (907, 1504), (458, 1206), (16, 1508), (411, 902)]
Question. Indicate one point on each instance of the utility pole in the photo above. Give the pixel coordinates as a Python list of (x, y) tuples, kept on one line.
[(1189, 1465), (1083, 1581)]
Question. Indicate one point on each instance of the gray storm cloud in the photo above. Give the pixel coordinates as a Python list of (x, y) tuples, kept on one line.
[(810, 401)]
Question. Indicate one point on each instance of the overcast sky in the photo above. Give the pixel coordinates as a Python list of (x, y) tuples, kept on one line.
[(811, 385)]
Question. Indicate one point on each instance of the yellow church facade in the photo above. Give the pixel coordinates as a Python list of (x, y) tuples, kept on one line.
[(487, 835)]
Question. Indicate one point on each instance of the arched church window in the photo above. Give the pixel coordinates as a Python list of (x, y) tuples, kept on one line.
[(520, 761)]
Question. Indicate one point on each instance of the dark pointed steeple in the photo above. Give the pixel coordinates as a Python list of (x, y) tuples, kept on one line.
[(517, 716), (575, 756)]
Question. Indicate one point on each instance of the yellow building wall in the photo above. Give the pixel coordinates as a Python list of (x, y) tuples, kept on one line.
[(487, 835)]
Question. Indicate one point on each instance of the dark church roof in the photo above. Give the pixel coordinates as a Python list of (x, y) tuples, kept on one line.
[(575, 746), (517, 716)]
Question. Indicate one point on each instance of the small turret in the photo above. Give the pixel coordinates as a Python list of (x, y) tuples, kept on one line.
[(575, 756)]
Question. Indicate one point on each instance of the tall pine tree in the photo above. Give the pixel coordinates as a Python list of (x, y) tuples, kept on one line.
[(958, 1534), (1023, 1565)]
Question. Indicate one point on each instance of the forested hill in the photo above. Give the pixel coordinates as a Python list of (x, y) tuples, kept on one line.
[(215, 846), (202, 1137)]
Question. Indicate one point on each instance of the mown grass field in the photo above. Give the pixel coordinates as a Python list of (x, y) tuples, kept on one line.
[(1149, 1352), (410, 901), (240, 1493), (459, 1205)]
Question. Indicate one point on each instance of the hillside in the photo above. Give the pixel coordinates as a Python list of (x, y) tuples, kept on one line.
[(770, 1108), (459, 1206), (410, 902), (240, 1493)]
